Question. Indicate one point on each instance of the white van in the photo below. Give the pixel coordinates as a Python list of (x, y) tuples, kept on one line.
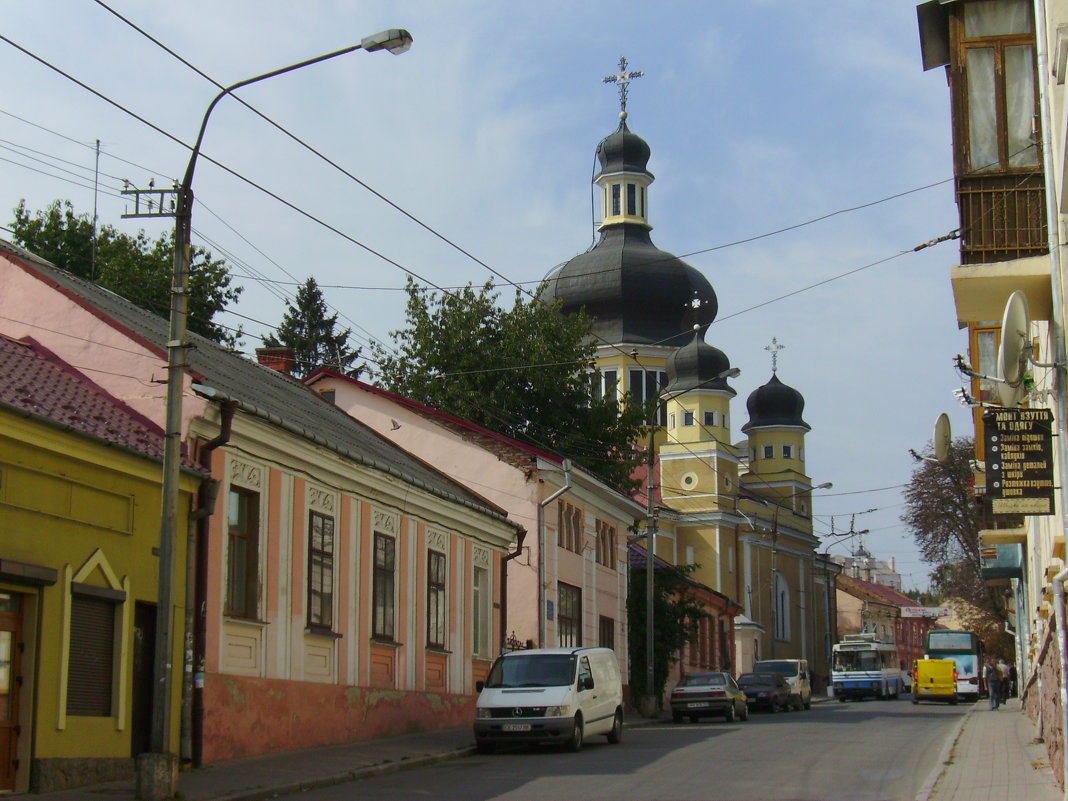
[(550, 695), (795, 671)]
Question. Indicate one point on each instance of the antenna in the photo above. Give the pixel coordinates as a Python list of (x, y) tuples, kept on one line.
[(1014, 351), (943, 438)]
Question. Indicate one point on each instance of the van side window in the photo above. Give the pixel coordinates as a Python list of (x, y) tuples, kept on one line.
[(584, 671)]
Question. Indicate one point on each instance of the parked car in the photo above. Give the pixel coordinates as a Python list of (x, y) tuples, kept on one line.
[(795, 671), (770, 691), (700, 695)]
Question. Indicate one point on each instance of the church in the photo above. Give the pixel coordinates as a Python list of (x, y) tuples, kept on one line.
[(741, 511)]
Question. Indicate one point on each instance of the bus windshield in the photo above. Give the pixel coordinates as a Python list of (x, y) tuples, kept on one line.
[(949, 641), (857, 660), (533, 670)]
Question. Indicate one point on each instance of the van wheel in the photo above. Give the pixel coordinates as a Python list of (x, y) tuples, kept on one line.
[(576, 736), (616, 735)]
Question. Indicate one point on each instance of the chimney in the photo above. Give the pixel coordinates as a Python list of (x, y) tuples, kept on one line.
[(280, 358), (892, 570)]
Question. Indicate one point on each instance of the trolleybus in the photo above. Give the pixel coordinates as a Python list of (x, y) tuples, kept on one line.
[(864, 667), (966, 649)]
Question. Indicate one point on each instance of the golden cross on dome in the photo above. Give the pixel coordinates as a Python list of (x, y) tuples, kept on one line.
[(622, 80), (774, 348)]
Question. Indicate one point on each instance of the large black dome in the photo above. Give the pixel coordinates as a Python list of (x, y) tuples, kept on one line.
[(636, 293), (696, 365), (775, 404)]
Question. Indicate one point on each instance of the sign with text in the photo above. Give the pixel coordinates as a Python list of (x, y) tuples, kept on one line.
[(1019, 461), (924, 611)]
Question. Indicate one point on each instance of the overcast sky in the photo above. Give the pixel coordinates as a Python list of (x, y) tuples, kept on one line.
[(761, 116)]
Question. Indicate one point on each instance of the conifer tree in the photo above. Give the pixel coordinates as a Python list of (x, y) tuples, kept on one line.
[(312, 333)]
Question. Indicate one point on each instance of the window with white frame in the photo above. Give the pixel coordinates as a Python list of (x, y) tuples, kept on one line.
[(320, 571), (480, 601), (569, 615)]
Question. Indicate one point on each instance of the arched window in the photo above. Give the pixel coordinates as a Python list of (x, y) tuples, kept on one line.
[(782, 608)]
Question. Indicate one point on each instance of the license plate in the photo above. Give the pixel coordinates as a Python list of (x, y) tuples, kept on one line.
[(695, 705), (515, 727)]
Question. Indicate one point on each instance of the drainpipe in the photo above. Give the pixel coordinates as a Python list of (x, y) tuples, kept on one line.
[(541, 549), (1056, 288), (196, 616), (522, 535)]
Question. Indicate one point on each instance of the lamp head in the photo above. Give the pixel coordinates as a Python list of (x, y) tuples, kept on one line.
[(395, 40), (824, 485)]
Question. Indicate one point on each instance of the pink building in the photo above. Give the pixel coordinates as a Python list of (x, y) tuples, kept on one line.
[(345, 588)]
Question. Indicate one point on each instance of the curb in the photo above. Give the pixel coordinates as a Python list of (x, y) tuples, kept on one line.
[(381, 769), (944, 757)]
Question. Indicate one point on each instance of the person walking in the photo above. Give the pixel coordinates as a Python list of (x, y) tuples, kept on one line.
[(1003, 681), (993, 684), (1012, 679)]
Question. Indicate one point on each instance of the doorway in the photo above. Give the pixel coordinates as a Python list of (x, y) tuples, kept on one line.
[(11, 646)]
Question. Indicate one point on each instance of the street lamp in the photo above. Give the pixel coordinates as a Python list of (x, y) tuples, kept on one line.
[(395, 41), (650, 544)]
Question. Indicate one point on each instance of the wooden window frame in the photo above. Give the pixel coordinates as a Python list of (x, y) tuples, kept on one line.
[(384, 584), (321, 570), (569, 534), (606, 544), (436, 600), (243, 589)]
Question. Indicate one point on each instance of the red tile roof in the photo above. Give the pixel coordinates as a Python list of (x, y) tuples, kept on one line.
[(36, 381), (878, 592)]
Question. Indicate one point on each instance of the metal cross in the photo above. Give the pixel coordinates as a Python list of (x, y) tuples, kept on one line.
[(774, 348), (622, 80)]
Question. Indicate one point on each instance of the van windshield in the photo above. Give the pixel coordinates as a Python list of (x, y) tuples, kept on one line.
[(783, 668), (534, 670)]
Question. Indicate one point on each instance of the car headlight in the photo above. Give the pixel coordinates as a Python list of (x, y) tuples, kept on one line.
[(762, 695), (557, 711), (483, 712)]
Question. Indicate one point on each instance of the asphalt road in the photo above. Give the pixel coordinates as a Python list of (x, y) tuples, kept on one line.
[(866, 751)]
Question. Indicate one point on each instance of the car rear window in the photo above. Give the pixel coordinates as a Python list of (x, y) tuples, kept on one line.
[(702, 679)]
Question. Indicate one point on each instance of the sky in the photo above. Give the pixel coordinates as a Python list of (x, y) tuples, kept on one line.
[(800, 155)]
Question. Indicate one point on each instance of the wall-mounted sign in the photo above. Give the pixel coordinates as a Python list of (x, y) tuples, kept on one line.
[(925, 611), (1019, 461)]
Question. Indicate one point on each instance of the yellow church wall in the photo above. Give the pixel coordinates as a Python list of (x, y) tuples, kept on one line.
[(91, 513)]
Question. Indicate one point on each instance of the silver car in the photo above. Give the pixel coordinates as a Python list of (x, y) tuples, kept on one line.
[(699, 695)]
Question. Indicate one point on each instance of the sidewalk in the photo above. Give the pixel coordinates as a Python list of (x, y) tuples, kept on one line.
[(991, 757)]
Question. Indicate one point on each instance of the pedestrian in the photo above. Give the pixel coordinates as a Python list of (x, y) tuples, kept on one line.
[(1003, 680), (1012, 679), (993, 684)]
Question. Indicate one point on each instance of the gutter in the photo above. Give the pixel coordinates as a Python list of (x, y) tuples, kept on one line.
[(541, 548), (219, 396), (504, 585), (196, 618), (1062, 651)]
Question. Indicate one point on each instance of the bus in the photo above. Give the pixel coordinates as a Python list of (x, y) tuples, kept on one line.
[(865, 667), (966, 649)]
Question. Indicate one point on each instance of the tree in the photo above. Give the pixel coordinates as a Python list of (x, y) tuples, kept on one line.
[(676, 616), (942, 514), (523, 372), (313, 335), (132, 266)]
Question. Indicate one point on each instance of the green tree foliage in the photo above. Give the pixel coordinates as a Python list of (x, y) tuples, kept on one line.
[(134, 267), (313, 335), (942, 514), (521, 371), (676, 616)]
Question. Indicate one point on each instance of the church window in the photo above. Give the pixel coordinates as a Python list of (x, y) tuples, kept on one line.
[(615, 200), (687, 417), (645, 386), (643, 200), (726, 420), (787, 451), (782, 608), (710, 418), (671, 420), (632, 199), (769, 451), (604, 384)]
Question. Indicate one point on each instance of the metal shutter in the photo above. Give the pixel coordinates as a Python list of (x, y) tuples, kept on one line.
[(92, 656)]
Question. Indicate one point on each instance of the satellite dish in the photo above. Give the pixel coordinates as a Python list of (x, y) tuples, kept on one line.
[(1013, 351), (943, 438)]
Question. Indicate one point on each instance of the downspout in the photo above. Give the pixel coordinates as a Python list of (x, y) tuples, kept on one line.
[(522, 535), (1053, 234), (541, 549), (196, 616)]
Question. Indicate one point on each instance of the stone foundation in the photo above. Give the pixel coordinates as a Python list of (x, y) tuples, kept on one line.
[(1041, 700), (50, 775)]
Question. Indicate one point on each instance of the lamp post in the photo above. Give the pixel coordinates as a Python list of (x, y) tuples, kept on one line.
[(395, 41), (775, 560), (650, 545)]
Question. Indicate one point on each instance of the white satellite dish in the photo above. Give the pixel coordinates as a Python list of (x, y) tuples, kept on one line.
[(1014, 351), (943, 438)]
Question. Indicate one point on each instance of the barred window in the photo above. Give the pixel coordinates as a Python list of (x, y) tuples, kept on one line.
[(569, 616)]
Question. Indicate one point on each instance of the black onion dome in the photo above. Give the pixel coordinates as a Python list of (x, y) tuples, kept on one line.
[(635, 292), (696, 365), (775, 404), (623, 151)]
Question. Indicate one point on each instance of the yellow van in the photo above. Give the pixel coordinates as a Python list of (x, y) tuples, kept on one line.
[(934, 680)]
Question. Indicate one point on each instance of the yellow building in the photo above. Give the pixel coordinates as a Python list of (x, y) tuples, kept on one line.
[(741, 512), (80, 478)]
